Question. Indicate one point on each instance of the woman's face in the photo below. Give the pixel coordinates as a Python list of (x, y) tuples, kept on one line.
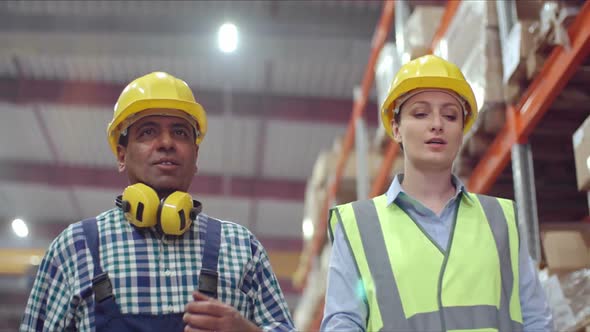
[(431, 129)]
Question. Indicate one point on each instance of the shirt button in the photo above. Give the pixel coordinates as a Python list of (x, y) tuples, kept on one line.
[(168, 272), (170, 308)]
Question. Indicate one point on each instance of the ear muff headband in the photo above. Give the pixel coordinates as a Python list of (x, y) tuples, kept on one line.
[(143, 208)]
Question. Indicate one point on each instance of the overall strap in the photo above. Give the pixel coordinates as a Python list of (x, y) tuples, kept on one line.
[(101, 284), (91, 233), (209, 275)]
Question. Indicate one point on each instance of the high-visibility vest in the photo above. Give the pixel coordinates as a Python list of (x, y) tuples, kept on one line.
[(411, 284)]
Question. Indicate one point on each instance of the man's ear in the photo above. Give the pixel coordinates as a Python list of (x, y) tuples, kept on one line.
[(395, 130), (121, 153), (196, 158)]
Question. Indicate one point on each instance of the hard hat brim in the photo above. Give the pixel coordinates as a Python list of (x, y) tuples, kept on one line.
[(460, 87), (194, 110)]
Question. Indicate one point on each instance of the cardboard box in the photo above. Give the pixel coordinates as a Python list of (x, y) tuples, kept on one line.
[(528, 9), (477, 145), (493, 118), (420, 29), (566, 246), (518, 44), (472, 42), (534, 63), (581, 143), (388, 64), (566, 250)]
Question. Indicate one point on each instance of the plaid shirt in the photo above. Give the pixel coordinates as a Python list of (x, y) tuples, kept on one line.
[(153, 274)]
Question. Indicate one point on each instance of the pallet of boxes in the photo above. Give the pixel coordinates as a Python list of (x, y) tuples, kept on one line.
[(566, 277), (528, 40), (566, 248), (316, 194), (472, 42)]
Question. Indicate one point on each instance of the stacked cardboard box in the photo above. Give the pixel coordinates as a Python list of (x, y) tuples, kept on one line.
[(317, 192), (528, 37), (581, 143), (388, 64), (472, 42), (420, 29)]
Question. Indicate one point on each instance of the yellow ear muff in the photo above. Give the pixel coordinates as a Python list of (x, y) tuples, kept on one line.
[(176, 214), (143, 208), (140, 204)]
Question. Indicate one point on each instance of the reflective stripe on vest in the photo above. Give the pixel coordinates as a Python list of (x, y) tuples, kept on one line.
[(405, 295)]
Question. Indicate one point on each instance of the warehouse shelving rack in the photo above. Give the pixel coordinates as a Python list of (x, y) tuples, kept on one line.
[(521, 118)]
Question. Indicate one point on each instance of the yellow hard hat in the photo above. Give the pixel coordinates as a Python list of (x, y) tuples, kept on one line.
[(428, 72), (157, 93)]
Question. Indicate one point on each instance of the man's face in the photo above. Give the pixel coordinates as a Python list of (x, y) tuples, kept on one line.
[(160, 152), (430, 129)]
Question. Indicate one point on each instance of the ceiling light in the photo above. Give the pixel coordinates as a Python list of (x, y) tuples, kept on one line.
[(308, 228), (227, 38), (35, 260), (20, 228)]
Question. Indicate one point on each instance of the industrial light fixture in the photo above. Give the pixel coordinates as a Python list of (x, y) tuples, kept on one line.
[(35, 260), (19, 227), (308, 228), (227, 38)]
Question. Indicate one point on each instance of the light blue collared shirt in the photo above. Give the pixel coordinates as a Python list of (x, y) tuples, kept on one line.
[(344, 312)]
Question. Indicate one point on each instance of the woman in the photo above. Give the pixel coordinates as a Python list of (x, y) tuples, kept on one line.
[(428, 255)]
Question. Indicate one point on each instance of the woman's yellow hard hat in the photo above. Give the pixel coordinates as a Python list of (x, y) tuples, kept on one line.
[(157, 93), (428, 72)]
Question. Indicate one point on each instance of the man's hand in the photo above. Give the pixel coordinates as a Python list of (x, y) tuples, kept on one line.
[(207, 314)]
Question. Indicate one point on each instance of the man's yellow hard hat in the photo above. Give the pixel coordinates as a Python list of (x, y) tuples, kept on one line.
[(428, 72), (157, 93)]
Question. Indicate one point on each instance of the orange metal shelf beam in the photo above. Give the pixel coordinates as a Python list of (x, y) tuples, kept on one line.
[(379, 38), (381, 181), (523, 118)]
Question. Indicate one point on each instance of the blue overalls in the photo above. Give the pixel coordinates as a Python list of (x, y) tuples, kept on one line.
[(108, 316)]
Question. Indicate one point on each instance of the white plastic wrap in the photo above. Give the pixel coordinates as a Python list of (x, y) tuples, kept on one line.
[(569, 298), (562, 313), (576, 288), (472, 43), (553, 23), (388, 64), (420, 29)]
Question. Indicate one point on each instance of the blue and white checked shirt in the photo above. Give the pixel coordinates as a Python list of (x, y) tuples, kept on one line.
[(152, 274)]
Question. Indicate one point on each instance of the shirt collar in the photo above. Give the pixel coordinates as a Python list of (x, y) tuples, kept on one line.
[(396, 188)]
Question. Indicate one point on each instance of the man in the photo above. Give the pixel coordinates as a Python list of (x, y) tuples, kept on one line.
[(428, 255), (145, 265)]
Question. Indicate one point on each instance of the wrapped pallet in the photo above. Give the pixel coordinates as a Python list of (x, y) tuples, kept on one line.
[(475, 48), (528, 31), (516, 23), (420, 29), (566, 278), (388, 63)]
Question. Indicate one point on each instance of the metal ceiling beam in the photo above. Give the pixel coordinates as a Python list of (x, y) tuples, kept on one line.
[(285, 108), (204, 184), (189, 47), (289, 19)]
